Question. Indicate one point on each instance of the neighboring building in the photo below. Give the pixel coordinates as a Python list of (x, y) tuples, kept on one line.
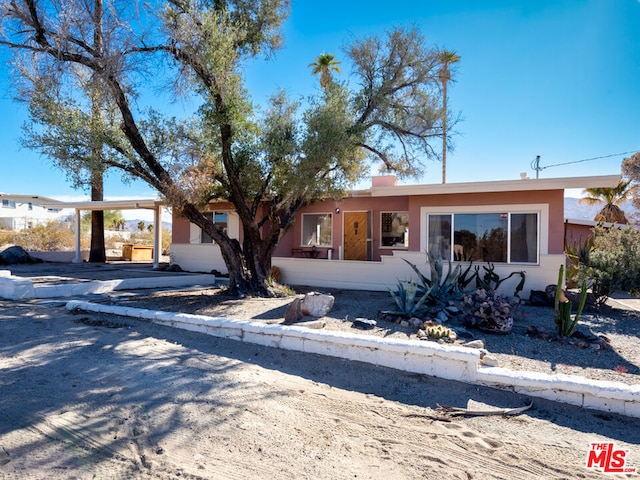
[(359, 241), (18, 212)]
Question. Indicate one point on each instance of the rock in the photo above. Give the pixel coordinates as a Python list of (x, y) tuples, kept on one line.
[(422, 335), (442, 317), (174, 267), (15, 254), (489, 361), (316, 304), (550, 291), (404, 323), (539, 298), (293, 313), (364, 323), (453, 310), (315, 324), (474, 344), (416, 322)]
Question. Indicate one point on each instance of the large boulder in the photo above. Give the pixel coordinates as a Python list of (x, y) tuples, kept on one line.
[(316, 304), (14, 254), (293, 313)]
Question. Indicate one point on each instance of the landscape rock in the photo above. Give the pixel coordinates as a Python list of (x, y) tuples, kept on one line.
[(316, 304), (474, 344), (293, 313), (364, 323), (442, 317), (489, 361), (539, 298), (14, 255)]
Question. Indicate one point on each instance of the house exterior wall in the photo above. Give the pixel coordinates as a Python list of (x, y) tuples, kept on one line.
[(18, 212), (386, 264)]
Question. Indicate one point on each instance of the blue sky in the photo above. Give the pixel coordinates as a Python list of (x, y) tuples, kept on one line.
[(557, 79)]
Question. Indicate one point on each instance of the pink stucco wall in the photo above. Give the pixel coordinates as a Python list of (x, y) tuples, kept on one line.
[(412, 204)]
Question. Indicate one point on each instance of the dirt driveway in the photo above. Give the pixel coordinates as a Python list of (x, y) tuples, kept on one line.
[(97, 396)]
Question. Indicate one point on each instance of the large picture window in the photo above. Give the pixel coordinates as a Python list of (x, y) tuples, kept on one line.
[(394, 229), (316, 229), (484, 237), (221, 219)]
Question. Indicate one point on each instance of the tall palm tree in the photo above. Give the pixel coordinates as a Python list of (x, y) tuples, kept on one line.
[(612, 198), (446, 57), (324, 65)]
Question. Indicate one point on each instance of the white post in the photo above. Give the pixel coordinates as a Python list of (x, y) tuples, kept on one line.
[(77, 259), (157, 236)]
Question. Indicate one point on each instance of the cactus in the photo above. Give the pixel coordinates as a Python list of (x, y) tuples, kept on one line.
[(437, 331), (565, 325)]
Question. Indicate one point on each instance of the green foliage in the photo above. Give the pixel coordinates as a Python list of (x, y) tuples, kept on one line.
[(490, 280), (565, 324), (113, 220), (44, 237), (407, 300), (438, 287), (612, 262)]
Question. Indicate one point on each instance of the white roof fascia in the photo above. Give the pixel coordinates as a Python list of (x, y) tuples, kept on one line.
[(150, 204), (603, 181), (27, 198)]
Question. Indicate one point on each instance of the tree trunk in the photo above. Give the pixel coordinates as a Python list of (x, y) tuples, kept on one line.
[(97, 252)]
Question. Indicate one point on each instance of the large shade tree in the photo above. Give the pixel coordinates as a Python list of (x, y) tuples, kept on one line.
[(267, 165)]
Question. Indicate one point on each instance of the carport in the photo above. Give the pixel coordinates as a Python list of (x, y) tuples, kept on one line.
[(146, 204)]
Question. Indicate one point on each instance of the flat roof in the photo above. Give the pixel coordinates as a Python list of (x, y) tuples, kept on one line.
[(528, 184), (26, 197), (150, 204)]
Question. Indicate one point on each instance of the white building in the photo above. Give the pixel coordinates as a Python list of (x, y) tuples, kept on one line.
[(18, 212)]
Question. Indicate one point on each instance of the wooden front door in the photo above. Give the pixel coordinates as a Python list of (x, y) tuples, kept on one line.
[(355, 235)]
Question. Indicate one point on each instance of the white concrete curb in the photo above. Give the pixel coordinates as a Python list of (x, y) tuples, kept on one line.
[(14, 288), (444, 361)]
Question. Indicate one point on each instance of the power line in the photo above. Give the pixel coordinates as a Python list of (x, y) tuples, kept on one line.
[(535, 164), (587, 159)]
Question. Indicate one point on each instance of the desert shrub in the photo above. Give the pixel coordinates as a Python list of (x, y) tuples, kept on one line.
[(44, 237), (613, 263)]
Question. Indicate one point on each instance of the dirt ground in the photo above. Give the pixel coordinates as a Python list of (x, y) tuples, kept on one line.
[(93, 396), (100, 396)]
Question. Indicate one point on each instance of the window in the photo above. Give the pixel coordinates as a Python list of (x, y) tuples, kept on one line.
[(395, 229), (316, 229), (30, 206), (221, 219), (484, 237), (8, 203)]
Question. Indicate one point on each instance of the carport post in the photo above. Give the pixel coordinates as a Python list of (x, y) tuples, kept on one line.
[(157, 235), (77, 258)]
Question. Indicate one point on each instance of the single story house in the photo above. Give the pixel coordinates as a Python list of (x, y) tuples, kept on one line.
[(360, 241), (19, 211)]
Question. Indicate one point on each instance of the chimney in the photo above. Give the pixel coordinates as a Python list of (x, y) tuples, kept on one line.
[(384, 181)]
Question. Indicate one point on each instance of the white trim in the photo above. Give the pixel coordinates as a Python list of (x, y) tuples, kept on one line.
[(541, 208), (498, 186)]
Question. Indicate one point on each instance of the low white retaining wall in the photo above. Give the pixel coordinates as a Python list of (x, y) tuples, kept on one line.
[(14, 288), (444, 361)]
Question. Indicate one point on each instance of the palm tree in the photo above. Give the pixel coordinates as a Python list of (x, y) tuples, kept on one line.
[(446, 57), (324, 65), (612, 198)]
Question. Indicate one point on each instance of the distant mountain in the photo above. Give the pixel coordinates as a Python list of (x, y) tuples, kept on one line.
[(132, 225), (576, 211)]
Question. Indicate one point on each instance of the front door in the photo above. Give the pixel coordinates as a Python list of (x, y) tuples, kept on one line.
[(355, 235)]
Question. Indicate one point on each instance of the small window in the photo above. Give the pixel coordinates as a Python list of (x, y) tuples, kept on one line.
[(8, 203), (30, 206), (221, 219), (316, 229), (395, 229)]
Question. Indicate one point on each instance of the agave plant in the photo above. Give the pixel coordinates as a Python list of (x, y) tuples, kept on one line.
[(407, 300), (439, 288)]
